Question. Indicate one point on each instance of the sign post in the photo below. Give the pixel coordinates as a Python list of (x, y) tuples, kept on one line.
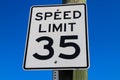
[(71, 74), (58, 40)]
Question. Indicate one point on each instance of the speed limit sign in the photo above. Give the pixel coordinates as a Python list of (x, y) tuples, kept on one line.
[(57, 37)]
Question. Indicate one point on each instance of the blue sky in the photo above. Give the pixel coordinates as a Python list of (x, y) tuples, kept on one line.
[(104, 39)]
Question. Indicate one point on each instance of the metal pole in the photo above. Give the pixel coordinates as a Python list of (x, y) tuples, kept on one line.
[(71, 74), (78, 74), (73, 1)]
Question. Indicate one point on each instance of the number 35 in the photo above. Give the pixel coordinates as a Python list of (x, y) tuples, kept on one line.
[(63, 44)]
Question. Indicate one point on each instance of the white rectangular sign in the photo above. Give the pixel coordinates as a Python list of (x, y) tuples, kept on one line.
[(57, 37)]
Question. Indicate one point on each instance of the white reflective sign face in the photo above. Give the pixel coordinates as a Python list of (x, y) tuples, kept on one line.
[(57, 37)]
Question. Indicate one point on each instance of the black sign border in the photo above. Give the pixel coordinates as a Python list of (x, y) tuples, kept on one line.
[(51, 68)]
